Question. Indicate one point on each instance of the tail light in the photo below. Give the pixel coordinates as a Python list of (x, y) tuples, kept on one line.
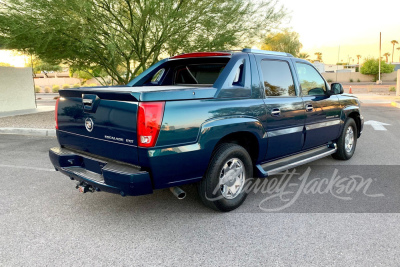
[(150, 116), (56, 113)]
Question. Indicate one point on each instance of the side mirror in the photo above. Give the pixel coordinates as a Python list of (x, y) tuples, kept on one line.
[(336, 89)]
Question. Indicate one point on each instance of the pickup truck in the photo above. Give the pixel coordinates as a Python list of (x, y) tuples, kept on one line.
[(215, 119)]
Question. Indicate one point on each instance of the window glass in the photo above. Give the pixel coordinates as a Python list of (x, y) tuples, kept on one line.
[(198, 73), (157, 77), (238, 80), (310, 80), (278, 80)]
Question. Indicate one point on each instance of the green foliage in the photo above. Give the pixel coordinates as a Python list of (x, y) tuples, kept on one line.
[(47, 89), (66, 86), (285, 41), (329, 80), (2, 64), (77, 85), (371, 67), (358, 80), (123, 37), (38, 89), (351, 80), (40, 65), (392, 89), (55, 88)]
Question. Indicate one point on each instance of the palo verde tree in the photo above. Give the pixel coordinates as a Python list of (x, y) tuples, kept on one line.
[(123, 37), (285, 41), (371, 67)]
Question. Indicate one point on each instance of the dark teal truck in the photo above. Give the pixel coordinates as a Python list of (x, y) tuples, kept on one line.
[(215, 119)]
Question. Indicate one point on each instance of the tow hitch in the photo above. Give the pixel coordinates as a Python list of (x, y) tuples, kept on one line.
[(84, 187)]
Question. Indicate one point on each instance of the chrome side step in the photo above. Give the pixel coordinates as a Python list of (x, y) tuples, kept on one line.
[(277, 166)]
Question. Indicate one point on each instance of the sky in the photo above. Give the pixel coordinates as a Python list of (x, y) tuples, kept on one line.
[(352, 24), (323, 26)]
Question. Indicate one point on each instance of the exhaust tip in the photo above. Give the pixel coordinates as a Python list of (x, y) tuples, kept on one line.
[(178, 193)]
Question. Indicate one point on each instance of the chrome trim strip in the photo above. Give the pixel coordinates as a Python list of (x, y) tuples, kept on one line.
[(285, 131), (322, 124), (301, 162), (96, 138)]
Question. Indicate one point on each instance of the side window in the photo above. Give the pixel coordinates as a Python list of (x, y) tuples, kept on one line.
[(277, 78), (157, 77), (310, 80)]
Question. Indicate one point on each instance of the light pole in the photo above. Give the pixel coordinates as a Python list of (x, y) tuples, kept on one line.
[(380, 51)]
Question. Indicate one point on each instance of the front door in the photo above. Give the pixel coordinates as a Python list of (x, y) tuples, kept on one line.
[(285, 108), (322, 109)]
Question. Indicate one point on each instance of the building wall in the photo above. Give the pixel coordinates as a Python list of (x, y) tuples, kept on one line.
[(16, 89), (43, 82), (346, 76)]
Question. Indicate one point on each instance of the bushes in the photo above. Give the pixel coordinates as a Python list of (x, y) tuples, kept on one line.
[(329, 80), (77, 85), (351, 80), (56, 88), (89, 85), (66, 86), (358, 80), (47, 89), (38, 89), (392, 89)]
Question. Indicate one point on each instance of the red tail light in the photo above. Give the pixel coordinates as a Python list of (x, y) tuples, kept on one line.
[(56, 113), (150, 116)]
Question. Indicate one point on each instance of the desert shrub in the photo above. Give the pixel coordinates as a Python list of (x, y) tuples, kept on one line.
[(358, 80), (93, 84), (38, 89), (47, 89), (77, 85), (329, 80), (56, 88), (66, 86), (351, 80), (392, 89)]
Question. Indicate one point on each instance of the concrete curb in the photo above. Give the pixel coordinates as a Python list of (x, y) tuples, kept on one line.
[(396, 104), (29, 131)]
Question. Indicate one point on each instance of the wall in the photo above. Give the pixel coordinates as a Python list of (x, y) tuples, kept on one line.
[(43, 82), (16, 89), (344, 77)]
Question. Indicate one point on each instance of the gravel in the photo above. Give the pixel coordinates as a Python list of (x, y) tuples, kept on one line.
[(43, 120)]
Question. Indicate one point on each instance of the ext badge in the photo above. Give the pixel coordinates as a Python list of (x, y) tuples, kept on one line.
[(89, 124)]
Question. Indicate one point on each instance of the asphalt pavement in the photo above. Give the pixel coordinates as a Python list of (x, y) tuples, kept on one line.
[(44, 221)]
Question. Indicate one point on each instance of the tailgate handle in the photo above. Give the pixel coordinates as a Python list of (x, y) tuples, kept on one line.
[(90, 102)]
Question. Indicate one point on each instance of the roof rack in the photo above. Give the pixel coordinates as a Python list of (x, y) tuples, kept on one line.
[(258, 51)]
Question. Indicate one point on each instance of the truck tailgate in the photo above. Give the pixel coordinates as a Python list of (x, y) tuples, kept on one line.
[(99, 123)]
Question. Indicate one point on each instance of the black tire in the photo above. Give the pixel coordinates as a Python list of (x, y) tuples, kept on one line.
[(209, 188), (342, 153)]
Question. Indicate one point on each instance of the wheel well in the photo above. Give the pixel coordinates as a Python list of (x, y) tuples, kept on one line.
[(245, 139), (356, 117)]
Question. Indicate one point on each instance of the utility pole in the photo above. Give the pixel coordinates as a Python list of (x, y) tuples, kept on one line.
[(380, 51), (337, 66)]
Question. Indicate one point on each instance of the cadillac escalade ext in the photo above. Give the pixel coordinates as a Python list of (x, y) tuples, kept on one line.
[(213, 118)]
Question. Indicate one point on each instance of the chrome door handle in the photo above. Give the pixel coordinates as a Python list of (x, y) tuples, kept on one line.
[(309, 108), (275, 112)]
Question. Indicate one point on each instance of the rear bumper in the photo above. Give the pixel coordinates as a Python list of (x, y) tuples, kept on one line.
[(101, 173)]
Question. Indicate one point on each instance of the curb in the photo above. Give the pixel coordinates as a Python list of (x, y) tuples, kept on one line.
[(396, 104), (29, 131)]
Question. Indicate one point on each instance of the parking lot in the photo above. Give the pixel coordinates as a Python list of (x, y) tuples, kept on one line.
[(45, 221)]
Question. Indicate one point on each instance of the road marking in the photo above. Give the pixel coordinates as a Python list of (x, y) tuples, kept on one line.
[(377, 125), (27, 168)]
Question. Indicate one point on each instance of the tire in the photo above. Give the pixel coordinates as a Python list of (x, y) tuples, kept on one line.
[(226, 195), (343, 150)]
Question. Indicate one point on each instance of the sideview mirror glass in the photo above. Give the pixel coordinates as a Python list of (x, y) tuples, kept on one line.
[(336, 88)]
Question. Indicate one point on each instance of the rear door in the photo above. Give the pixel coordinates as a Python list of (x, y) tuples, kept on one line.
[(285, 109), (322, 109)]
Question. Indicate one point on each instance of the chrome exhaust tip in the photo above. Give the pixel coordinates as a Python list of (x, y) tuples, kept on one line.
[(179, 193)]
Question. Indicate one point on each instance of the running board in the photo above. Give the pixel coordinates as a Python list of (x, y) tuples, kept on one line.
[(277, 166)]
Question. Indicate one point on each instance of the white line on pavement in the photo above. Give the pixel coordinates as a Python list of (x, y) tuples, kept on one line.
[(28, 168)]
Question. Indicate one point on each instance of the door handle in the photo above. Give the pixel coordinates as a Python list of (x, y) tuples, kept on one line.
[(309, 108), (276, 112)]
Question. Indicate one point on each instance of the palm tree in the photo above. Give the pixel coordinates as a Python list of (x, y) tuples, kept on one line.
[(386, 55), (358, 59), (319, 56), (304, 55), (394, 42)]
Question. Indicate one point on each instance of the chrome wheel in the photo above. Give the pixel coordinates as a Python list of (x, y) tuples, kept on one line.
[(349, 139), (231, 178)]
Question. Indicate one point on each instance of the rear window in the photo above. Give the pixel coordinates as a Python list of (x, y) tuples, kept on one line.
[(189, 71), (206, 73)]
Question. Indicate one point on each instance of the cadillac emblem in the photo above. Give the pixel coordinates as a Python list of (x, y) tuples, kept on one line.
[(89, 124)]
